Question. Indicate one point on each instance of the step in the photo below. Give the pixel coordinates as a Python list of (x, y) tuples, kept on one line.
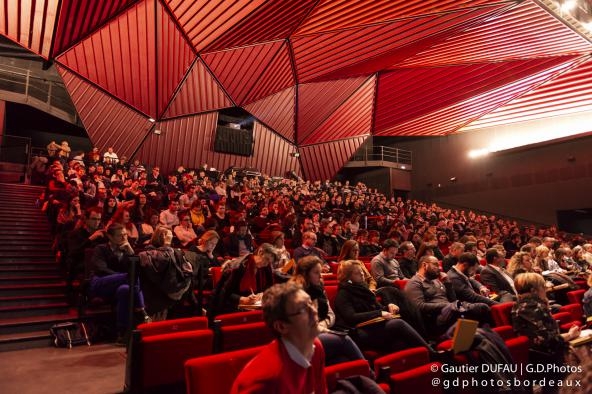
[(19, 218), (31, 264), (26, 340), (33, 255), (30, 241), (16, 311), (7, 272), (38, 299), (40, 233), (30, 279), (35, 323), (4, 248), (7, 290)]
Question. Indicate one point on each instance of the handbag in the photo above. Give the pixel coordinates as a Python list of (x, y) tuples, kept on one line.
[(69, 334)]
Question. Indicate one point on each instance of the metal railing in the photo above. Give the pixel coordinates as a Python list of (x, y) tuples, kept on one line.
[(384, 153), (52, 94)]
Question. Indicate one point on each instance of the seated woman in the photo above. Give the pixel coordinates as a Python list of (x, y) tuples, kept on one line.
[(184, 231), (522, 262), (351, 251), (123, 217), (147, 227), (165, 274), (532, 317), (356, 304), (338, 346), (243, 281)]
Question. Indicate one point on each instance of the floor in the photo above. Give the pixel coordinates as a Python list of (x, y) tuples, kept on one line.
[(97, 369)]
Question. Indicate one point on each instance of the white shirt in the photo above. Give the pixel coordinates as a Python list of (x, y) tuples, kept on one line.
[(295, 354)]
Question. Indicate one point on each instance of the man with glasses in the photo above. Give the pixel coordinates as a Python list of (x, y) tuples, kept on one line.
[(294, 362), (309, 240)]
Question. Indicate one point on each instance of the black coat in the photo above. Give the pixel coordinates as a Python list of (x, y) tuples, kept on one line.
[(354, 304)]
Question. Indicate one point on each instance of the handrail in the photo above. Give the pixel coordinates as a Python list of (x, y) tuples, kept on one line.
[(384, 153)]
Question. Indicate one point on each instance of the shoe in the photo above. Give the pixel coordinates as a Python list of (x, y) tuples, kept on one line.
[(443, 356), (141, 317)]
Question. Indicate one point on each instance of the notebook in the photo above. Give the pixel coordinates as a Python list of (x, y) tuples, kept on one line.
[(464, 333)]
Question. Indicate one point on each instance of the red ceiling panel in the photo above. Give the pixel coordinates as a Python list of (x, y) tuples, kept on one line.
[(525, 31), (450, 119), (199, 93), (571, 92), (30, 23), (277, 76), (184, 141), (277, 111), (273, 154), (189, 141), (107, 121), (273, 20), (120, 58), (205, 21), (79, 18), (323, 161), (173, 56), (316, 101), (339, 14), (239, 69), (352, 119), (368, 49), (407, 94)]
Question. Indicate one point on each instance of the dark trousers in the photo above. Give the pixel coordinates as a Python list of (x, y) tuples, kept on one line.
[(116, 288)]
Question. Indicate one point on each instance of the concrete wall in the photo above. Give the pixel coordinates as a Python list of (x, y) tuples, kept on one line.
[(529, 184)]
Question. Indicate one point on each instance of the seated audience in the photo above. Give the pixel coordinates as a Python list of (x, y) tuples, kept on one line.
[(385, 268), (338, 346), (184, 231), (243, 281), (433, 294), (294, 362), (123, 217), (532, 317), (169, 217), (356, 304), (351, 251), (109, 276), (165, 274), (495, 276), (465, 287)]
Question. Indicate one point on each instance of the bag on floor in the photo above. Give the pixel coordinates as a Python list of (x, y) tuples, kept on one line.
[(69, 334)]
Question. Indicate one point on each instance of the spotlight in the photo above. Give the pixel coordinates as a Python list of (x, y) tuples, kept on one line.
[(295, 154), (157, 131), (151, 120), (453, 179)]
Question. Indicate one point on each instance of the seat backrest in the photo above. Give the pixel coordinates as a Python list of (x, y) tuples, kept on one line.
[(232, 319), (575, 296), (244, 336), (343, 370), (216, 373), (175, 325), (331, 294), (216, 273), (162, 357), (402, 360), (401, 283), (502, 313), (506, 332), (575, 310)]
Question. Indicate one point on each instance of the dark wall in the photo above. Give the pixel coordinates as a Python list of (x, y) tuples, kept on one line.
[(530, 184)]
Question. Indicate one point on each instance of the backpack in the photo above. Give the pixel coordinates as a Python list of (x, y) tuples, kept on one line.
[(69, 334)]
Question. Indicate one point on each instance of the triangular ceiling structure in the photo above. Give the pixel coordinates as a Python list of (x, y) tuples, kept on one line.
[(318, 76)]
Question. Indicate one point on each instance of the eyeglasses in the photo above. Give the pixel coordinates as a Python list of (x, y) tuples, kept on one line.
[(306, 308)]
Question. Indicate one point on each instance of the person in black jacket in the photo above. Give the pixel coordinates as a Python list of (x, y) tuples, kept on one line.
[(338, 346), (109, 276), (356, 304), (495, 276), (466, 288)]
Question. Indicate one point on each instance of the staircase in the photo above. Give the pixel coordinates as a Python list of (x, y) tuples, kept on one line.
[(32, 291)]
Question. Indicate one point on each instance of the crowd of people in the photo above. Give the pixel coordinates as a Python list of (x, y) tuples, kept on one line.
[(266, 230)]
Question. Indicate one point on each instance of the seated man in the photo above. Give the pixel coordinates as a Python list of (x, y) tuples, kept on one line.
[(385, 269), (495, 276), (309, 240), (239, 242), (452, 257), (109, 276), (294, 362), (466, 288), (433, 294), (408, 262)]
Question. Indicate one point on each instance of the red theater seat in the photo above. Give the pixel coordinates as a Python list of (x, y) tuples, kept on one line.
[(343, 370), (331, 294), (160, 359), (575, 296), (502, 313), (244, 336), (171, 326), (216, 373), (232, 319)]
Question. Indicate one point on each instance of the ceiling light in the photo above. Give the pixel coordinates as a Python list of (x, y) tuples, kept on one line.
[(473, 154), (568, 5), (151, 120)]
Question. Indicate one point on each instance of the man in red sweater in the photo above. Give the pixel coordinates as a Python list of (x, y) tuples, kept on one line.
[(294, 363)]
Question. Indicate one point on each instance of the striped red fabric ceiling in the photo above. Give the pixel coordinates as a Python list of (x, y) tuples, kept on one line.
[(314, 73)]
